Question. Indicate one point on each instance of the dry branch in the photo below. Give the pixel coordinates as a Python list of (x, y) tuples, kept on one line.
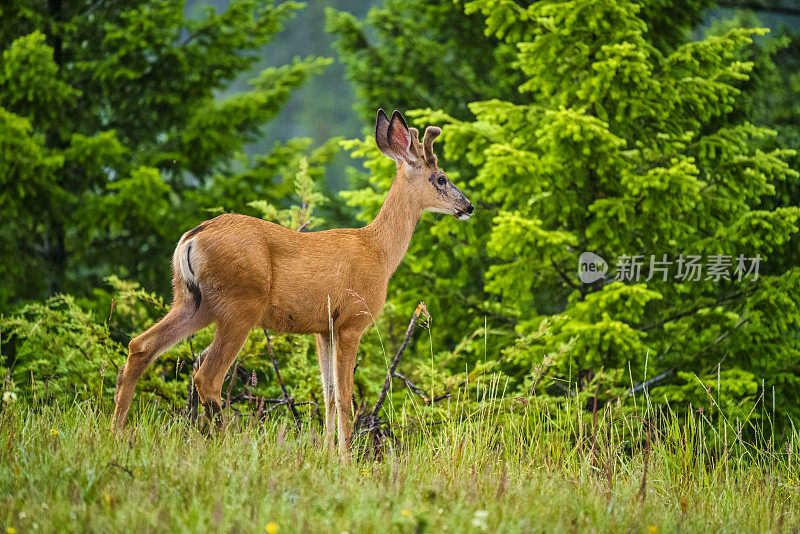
[(396, 360), (288, 398), (368, 422)]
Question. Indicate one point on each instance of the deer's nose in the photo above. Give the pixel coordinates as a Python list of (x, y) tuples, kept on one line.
[(470, 208)]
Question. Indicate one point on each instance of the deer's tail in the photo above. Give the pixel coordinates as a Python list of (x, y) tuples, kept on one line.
[(185, 255)]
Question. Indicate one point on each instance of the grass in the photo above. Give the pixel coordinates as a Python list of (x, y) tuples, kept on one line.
[(498, 466)]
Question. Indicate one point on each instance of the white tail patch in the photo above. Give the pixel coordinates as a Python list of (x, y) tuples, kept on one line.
[(185, 263), (182, 260), (186, 260)]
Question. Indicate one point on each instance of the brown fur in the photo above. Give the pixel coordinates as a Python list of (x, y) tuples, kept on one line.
[(253, 273)]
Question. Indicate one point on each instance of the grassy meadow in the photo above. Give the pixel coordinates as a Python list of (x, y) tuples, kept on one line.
[(506, 466)]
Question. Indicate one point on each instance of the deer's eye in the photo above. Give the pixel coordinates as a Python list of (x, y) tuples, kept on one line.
[(441, 180)]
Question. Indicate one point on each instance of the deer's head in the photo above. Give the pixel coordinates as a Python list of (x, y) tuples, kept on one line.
[(417, 165)]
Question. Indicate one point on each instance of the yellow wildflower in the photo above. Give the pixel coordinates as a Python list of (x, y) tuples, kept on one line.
[(652, 529), (11, 530), (53, 431), (405, 512), (271, 528)]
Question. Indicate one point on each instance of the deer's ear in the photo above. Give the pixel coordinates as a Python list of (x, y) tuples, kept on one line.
[(382, 133), (392, 136)]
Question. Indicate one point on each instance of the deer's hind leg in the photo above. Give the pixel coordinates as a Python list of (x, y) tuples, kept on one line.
[(228, 341), (182, 321)]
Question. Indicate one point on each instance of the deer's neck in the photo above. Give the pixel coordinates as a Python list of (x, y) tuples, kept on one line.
[(395, 224)]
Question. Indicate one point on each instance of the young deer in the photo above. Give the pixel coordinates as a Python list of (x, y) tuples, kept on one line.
[(241, 272)]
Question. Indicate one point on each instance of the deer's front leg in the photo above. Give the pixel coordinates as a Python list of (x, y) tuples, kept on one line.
[(344, 365)]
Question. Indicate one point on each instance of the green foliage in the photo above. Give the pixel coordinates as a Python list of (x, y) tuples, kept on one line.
[(412, 54), (456, 59), (114, 139), (769, 97), (407, 55), (623, 140), (62, 352), (638, 156), (573, 126), (295, 216)]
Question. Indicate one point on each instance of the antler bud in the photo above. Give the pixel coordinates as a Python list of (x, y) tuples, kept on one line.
[(414, 136), (416, 146), (431, 133)]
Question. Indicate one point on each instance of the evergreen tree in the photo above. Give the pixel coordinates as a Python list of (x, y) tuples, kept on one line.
[(629, 153), (769, 96), (112, 141), (629, 143)]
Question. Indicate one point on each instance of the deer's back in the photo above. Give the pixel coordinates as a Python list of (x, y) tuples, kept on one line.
[(284, 278)]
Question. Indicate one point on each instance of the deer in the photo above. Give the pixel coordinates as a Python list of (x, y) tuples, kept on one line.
[(242, 272)]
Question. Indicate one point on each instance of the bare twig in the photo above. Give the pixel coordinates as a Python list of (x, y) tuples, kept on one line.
[(368, 421), (123, 468), (396, 360), (692, 311), (413, 387), (643, 385), (289, 399), (423, 394), (192, 397), (566, 278), (231, 381), (316, 413)]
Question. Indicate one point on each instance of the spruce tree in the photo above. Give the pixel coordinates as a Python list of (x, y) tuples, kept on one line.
[(629, 143), (113, 139), (628, 152)]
